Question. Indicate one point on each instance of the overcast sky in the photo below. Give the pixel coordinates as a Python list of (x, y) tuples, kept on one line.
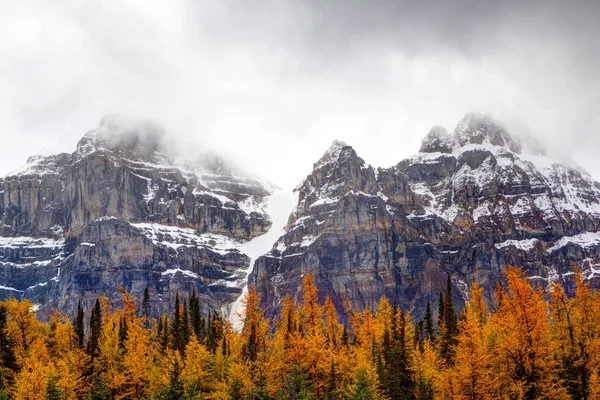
[(272, 83)]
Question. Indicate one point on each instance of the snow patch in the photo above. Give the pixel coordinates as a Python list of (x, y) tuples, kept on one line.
[(279, 205), (583, 240), (525, 245)]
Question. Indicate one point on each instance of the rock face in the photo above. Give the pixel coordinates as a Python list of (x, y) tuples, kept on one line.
[(464, 206), (122, 211)]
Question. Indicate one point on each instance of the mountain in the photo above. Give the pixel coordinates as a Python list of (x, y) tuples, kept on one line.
[(464, 206), (124, 210)]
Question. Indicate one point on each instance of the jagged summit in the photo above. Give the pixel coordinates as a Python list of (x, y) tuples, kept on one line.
[(475, 128), (332, 154), (479, 131), (437, 141), (129, 137)]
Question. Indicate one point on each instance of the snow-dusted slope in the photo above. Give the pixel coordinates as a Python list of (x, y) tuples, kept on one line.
[(279, 206), (464, 206)]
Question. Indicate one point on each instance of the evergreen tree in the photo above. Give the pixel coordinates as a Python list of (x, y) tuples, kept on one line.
[(78, 325), (441, 313), (297, 385), (259, 392), (98, 390), (250, 347), (95, 330), (176, 327), (175, 390), (419, 334), (345, 338), (224, 347), (428, 323), (210, 339), (53, 392), (363, 388), (448, 328), (449, 312), (395, 374), (163, 332), (146, 306), (195, 316), (235, 391), (186, 331), (331, 389)]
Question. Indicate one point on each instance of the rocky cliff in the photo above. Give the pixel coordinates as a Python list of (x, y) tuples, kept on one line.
[(465, 205), (123, 210)]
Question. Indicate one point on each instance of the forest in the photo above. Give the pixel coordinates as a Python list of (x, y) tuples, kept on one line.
[(531, 343)]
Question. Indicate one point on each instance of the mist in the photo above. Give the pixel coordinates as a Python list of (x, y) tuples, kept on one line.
[(270, 85)]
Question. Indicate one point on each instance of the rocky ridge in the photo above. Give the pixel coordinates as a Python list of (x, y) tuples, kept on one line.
[(465, 205), (123, 211)]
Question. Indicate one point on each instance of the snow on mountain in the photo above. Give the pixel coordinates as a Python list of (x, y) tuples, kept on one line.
[(279, 206)]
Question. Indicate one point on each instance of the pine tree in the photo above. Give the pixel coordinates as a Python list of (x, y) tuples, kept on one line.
[(195, 316), (146, 307), (428, 323), (98, 390), (95, 330), (53, 392), (176, 327), (331, 389), (297, 385), (441, 313), (448, 328), (164, 333), (235, 391), (175, 390), (78, 325), (396, 379), (363, 387), (185, 327), (419, 334), (345, 338)]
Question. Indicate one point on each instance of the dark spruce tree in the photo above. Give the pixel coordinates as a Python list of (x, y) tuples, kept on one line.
[(331, 389), (146, 307), (53, 392), (186, 331), (195, 316), (395, 374), (176, 326), (448, 327), (363, 388), (428, 322), (95, 330), (175, 390), (78, 327), (235, 391)]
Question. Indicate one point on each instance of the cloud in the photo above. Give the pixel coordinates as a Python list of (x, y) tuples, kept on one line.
[(273, 83)]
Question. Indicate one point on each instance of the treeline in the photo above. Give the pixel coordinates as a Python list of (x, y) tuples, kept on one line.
[(529, 344)]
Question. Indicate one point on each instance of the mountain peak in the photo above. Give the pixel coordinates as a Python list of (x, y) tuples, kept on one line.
[(138, 138), (476, 128), (332, 154), (437, 140)]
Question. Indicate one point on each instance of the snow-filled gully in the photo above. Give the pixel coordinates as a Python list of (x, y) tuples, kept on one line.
[(279, 206)]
